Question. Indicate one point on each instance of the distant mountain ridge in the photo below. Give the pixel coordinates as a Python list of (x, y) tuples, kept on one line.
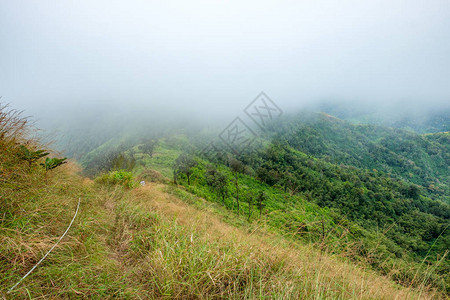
[(420, 159), (404, 115)]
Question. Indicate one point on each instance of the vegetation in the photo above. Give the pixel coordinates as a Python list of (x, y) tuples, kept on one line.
[(31, 156), (149, 243), (121, 177), (217, 181), (51, 163), (366, 214), (419, 159), (421, 119), (184, 165), (383, 234), (148, 147), (323, 229)]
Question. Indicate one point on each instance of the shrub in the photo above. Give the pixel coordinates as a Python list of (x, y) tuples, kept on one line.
[(152, 176), (52, 163), (120, 177)]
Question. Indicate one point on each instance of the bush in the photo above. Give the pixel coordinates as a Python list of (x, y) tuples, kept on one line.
[(152, 176), (120, 177)]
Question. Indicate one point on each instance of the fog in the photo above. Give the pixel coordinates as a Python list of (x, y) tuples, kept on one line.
[(67, 60)]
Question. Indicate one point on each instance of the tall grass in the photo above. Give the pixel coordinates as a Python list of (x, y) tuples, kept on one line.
[(147, 244)]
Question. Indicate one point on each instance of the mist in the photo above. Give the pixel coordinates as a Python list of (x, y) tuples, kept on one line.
[(78, 62)]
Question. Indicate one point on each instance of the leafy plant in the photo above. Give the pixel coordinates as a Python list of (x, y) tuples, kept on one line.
[(120, 177), (121, 161), (148, 147), (218, 181), (261, 202), (237, 167), (51, 163), (29, 155), (185, 164), (249, 195)]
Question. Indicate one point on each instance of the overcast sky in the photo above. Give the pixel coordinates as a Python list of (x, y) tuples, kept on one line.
[(211, 56)]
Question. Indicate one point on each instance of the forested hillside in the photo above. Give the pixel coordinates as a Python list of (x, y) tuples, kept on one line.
[(420, 159)]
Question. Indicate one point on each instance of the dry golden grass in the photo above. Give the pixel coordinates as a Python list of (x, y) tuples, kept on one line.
[(304, 271)]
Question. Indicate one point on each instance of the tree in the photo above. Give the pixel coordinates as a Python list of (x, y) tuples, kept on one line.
[(236, 167), (218, 181), (289, 181), (148, 147), (250, 200), (261, 199), (175, 176), (121, 161), (185, 164), (103, 162)]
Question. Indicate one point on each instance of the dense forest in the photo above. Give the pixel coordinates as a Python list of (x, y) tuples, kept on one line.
[(420, 159)]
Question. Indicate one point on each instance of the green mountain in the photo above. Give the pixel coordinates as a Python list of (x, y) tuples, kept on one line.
[(420, 159)]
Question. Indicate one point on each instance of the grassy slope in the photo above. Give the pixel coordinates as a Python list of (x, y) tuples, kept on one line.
[(299, 219), (149, 243)]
